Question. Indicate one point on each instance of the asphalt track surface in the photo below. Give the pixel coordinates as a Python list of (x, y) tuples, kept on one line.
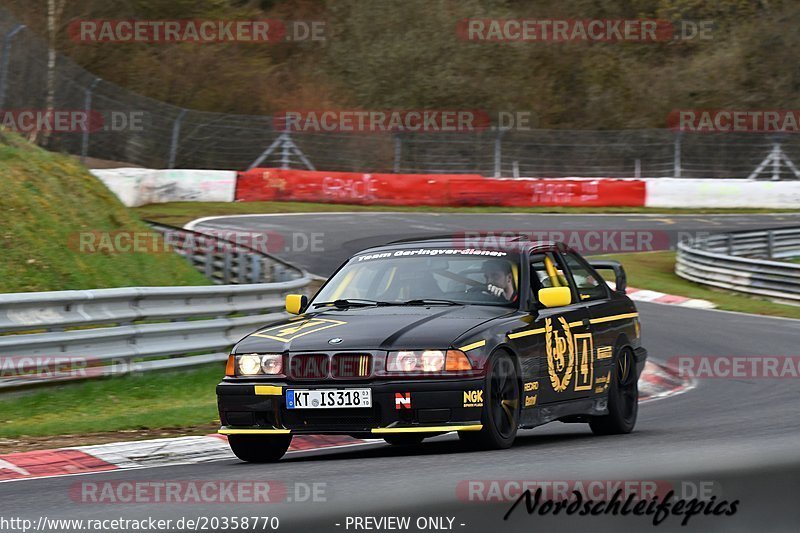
[(741, 436), (320, 242)]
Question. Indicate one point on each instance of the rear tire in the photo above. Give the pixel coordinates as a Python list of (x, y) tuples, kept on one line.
[(404, 440), (259, 448), (500, 414), (623, 398)]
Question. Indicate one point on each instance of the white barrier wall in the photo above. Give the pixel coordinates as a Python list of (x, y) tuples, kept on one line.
[(668, 192), (140, 186)]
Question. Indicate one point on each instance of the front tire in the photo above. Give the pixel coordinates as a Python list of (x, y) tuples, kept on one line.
[(500, 415), (259, 448), (623, 398)]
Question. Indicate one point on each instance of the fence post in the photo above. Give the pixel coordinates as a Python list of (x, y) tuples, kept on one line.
[(498, 154), (676, 163), (776, 162), (4, 59), (176, 132), (398, 143), (285, 152), (87, 107)]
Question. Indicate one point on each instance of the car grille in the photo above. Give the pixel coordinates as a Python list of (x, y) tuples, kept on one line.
[(338, 366), (351, 365), (309, 366)]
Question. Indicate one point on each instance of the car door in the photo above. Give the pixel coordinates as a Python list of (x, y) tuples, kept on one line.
[(550, 344), (595, 294)]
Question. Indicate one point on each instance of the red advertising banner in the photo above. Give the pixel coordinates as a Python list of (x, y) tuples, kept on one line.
[(263, 184)]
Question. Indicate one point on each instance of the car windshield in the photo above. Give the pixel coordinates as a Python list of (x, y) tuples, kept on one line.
[(424, 276)]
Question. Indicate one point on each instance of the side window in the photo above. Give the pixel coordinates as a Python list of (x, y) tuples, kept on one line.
[(589, 284), (546, 271)]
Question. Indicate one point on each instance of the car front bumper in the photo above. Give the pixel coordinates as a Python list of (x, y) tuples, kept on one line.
[(436, 406)]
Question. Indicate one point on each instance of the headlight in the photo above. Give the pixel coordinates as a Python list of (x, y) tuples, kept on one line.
[(427, 361), (272, 363), (249, 365), (255, 364)]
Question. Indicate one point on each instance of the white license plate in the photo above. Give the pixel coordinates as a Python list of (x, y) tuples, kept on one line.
[(328, 398)]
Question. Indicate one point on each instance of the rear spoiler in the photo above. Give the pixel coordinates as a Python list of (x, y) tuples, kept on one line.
[(619, 273)]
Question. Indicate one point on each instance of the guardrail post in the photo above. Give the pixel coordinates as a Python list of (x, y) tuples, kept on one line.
[(87, 107), (730, 243), (676, 161), (176, 132), (242, 260), (255, 269), (4, 59), (208, 271), (226, 266), (770, 244)]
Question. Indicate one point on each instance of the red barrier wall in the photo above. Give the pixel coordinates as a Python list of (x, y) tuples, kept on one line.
[(434, 189)]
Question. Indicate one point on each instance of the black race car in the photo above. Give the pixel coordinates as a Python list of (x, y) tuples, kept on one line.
[(418, 338)]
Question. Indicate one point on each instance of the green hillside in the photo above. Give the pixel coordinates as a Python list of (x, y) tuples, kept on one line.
[(46, 201)]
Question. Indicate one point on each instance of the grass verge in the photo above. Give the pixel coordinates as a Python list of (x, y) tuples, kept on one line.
[(179, 213), (48, 201), (148, 401), (655, 271)]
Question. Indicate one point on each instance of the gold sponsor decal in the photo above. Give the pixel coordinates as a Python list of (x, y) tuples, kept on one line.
[(585, 348), (530, 401), (560, 354), (473, 398), (531, 386), (289, 332), (568, 355), (602, 383), (604, 352)]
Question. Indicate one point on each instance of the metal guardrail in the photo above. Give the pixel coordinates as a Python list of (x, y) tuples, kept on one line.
[(744, 262), (117, 331), (225, 262)]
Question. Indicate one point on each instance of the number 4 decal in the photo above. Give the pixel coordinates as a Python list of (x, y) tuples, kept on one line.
[(584, 377)]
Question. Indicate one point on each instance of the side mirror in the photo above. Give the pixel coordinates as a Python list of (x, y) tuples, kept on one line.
[(555, 296), (295, 303), (621, 280)]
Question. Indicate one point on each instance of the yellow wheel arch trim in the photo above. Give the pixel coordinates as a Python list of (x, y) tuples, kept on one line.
[(428, 429), (472, 346), (274, 431)]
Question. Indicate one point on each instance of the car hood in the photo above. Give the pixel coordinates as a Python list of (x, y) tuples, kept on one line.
[(370, 328)]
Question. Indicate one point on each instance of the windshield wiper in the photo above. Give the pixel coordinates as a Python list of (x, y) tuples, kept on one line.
[(431, 301), (352, 302)]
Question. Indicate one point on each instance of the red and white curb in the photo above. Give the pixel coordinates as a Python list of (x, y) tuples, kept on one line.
[(659, 381), (643, 295), (656, 382), (143, 454)]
